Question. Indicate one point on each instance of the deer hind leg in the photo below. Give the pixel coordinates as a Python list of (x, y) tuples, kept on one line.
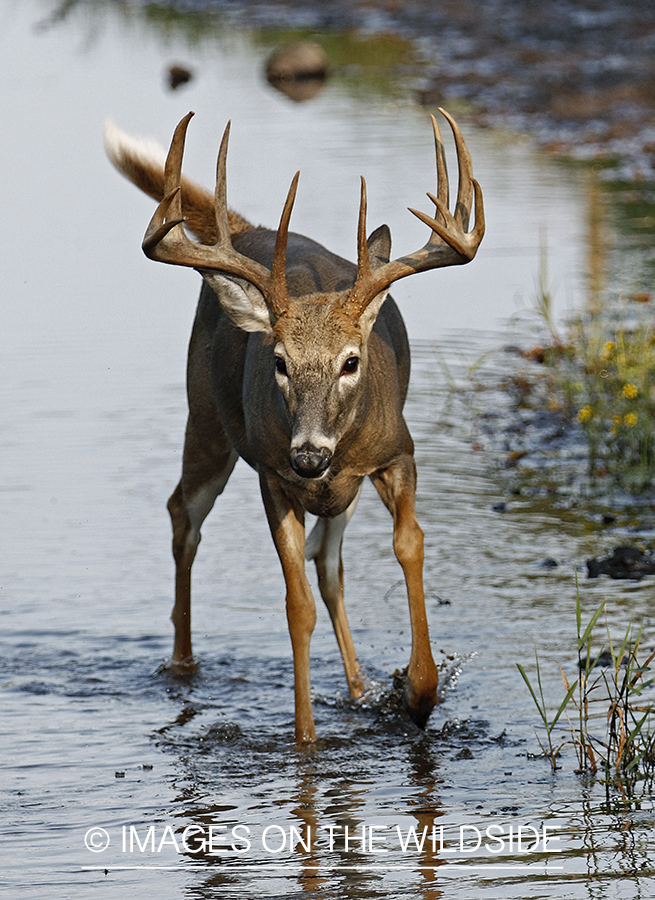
[(397, 487), (286, 520), (324, 547), (204, 476)]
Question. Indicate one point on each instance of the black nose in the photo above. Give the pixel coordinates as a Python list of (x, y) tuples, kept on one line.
[(309, 461)]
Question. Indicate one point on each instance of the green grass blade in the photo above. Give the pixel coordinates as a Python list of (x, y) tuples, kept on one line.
[(564, 704), (534, 696), (590, 627)]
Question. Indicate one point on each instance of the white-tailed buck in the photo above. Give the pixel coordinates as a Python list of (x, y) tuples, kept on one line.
[(299, 363)]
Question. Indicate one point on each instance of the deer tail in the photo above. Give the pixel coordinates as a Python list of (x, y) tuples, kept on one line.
[(141, 161)]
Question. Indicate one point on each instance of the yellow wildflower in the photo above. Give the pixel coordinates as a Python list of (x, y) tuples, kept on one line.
[(606, 352), (630, 391), (618, 420), (630, 419), (585, 414)]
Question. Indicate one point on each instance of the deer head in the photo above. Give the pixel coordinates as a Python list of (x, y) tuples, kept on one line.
[(319, 340)]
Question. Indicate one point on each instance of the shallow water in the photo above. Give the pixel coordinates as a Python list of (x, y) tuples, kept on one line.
[(96, 734)]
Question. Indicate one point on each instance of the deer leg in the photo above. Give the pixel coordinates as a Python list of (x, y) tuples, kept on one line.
[(324, 547), (397, 488), (204, 477), (286, 520)]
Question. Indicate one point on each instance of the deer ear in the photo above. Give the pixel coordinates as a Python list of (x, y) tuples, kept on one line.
[(241, 300), (379, 246), (370, 314), (379, 252)]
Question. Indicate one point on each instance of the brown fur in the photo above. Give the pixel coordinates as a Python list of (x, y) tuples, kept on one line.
[(275, 386)]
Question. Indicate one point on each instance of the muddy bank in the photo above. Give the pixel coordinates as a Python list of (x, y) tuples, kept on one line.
[(578, 77)]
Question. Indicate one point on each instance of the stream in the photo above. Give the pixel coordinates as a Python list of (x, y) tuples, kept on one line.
[(194, 788)]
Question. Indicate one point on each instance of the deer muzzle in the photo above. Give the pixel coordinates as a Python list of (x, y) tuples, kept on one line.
[(309, 461)]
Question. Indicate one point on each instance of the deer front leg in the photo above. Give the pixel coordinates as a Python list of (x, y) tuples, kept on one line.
[(185, 545), (324, 547), (397, 488), (286, 520)]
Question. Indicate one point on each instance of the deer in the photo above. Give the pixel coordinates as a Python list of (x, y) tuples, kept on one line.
[(299, 364)]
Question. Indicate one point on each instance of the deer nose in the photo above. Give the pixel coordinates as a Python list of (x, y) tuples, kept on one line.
[(310, 461)]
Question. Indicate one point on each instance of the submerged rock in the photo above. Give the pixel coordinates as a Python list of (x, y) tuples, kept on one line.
[(625, 561), (603, 659), (178, 75), (298, 70)]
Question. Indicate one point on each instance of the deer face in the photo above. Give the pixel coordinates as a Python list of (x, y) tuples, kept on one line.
[(319, 363), (320, 368)]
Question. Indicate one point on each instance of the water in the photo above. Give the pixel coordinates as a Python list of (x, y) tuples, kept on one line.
[(96, 734)]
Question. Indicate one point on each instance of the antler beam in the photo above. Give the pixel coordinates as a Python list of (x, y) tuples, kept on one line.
[(450, 244), (166, 241)]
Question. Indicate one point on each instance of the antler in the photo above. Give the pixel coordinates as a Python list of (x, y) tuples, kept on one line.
[(166, 240), (450, 244)]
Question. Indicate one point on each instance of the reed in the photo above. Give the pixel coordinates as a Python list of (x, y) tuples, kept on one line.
[(609, 715)]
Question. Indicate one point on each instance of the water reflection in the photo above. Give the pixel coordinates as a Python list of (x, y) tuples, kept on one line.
[(322, 830), (355, 127)]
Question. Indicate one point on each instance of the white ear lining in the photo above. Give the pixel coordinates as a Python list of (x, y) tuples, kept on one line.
[(241, 300)]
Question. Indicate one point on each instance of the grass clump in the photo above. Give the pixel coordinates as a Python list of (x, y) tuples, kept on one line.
[(600, 378), (611, 721)]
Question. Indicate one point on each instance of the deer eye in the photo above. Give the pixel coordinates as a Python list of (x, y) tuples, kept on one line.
[(280, 365), (350, 365)]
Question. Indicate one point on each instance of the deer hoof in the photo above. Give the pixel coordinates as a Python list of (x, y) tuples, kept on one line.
[(417, 704), (419, 712)]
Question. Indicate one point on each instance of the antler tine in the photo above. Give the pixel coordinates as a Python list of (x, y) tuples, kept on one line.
[(278, 291), (173, 165), (450, 242), (478, 229), (168, 214), (465, 167), (363, 258), (220, 193), (442, 168), (356, 301)]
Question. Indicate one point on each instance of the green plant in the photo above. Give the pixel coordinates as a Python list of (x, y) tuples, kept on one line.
[(543, 300), (600, 375), (551, 753), (615, 401), (613, 694)]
